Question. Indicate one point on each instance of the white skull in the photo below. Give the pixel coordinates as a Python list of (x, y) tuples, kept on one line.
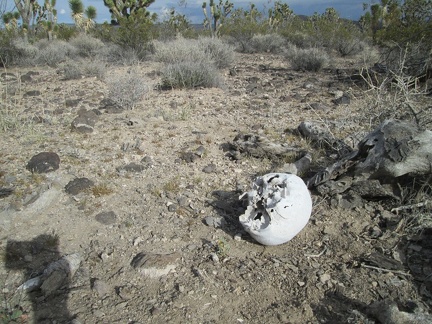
[(279, 207)]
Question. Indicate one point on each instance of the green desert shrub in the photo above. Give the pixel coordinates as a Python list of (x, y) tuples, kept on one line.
[(86, 45), (65, 32), (240, 27), (127, 89), (135, 33), (189, 74), (266, 43), (308, 59)]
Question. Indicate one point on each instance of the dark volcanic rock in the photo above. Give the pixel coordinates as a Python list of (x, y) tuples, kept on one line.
[(32, 93), (78, 185), (72, 102), (110, 106), (344, 100), (131, 167), (44, 162)]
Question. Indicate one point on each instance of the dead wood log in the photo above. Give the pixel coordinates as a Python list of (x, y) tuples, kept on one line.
[(395, 148)]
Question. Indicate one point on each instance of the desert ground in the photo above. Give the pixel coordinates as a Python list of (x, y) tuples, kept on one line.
[(154, 226)]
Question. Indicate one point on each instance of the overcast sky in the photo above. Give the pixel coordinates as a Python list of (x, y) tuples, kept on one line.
[(351, 9)]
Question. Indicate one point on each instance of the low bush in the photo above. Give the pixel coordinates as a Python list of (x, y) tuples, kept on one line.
[(72, 71), (94, 68), (217, 50), (240, 27), (65, 32), (54, 52), (267, 43), (114, 54), (188, 74), (310, 59), (25, 53), (86, 45), (193, 63), (127, 89), (179, 50)]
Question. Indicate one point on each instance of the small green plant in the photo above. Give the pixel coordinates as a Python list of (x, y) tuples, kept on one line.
[(216, 15), (10, 314), (172, 186), (222, 247), (101, 190)]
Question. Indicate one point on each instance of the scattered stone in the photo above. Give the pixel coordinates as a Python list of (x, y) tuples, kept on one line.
[(214, 257), (125, 292), (324, 278), (200, 151), (106, 218), (77, 185), (172, 207), (319, 106), (131, 167), (72, 102), (26, 78), (110, 106), (210, 168), (154, 265), (188, 157), (238, 237), (7, 76), (345, 99), (54, 276), (215, 221), (147, 160), (100, 287), (44, 162), (32, 93), (85, 121), (4, 192)]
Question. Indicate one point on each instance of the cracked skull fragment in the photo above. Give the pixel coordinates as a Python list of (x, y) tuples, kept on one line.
[(279, 207)]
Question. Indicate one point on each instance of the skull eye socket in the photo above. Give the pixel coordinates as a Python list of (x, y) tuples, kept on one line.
[(258, 216)]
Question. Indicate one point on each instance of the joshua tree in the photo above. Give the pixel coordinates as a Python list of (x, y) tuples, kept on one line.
[(82, 22), (126, 8), (47, 17), (280, 13), (218, 12), (10, 20), (26, 10)]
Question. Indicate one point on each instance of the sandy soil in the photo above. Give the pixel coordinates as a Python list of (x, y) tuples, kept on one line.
[(329, 273)]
